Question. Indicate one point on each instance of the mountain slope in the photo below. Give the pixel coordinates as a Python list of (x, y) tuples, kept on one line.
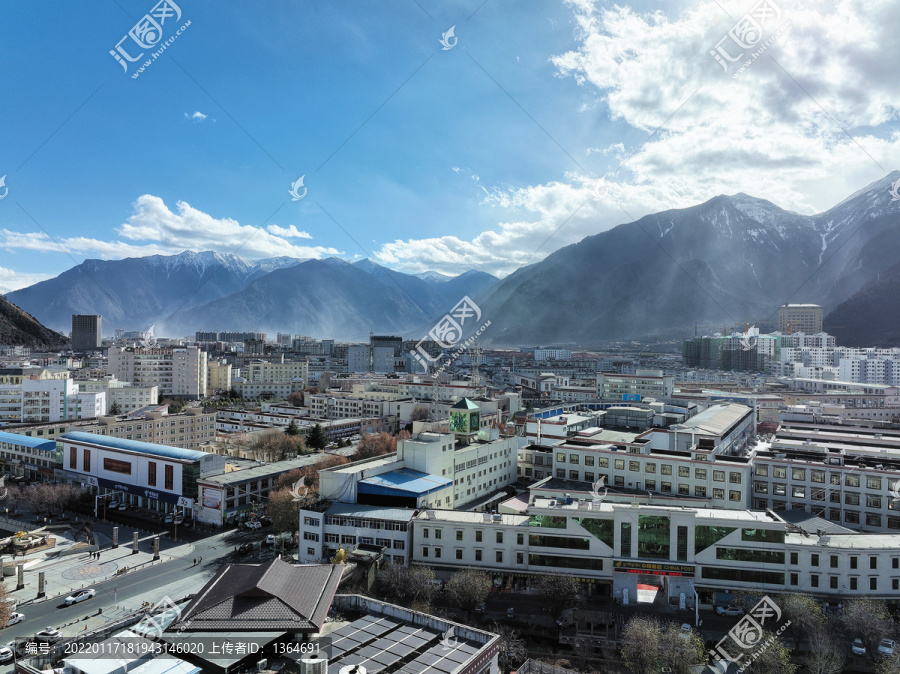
[(871, 317), (135, 293), (20, 328), (731, 259)]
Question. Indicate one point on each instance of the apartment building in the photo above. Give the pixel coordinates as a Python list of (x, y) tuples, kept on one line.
[(33, 395), (218, 377), (128, 397), (347, 525), (175, 371), (31, 458), (613, 547), (636, 387), (86, 333), (800, 318), (552, 354)]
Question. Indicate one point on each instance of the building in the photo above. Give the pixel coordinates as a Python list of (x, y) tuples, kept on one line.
[(128, 397), (176, 371), (86, 333), (218, 377), (552, 354), (143, 474), (347, 525), (635, 387), (30, 458), (800, 318), (36, 395)]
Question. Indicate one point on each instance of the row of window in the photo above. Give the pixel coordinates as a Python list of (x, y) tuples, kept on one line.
[(649, 467), (833, 514), (850, 497), (818, 476)]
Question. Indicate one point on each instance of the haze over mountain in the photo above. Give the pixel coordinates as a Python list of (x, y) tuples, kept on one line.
[(731, 259)]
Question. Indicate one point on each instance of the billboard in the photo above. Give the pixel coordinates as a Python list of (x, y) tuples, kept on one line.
[(212, 498), (636, 397)]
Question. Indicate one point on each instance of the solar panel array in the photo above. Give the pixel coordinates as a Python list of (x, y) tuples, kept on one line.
[(384, 645)]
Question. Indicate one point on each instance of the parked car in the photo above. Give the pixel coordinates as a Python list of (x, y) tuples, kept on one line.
[(80, 596), (15, 618), (252, 524), (123, 506), (169, 519), (729, 610), (6, 655), (858, 647), (48, 635), (270, 539), (112, 505), (265, 521), (179, 519), (245, 547), (886, 647), (480, 608)]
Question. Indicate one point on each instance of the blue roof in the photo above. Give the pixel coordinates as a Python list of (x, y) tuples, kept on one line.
[(403, 482), (374, 512), (25, 441), (135, 446)]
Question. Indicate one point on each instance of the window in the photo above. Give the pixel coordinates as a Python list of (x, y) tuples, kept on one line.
[(650, 468), (718, 493), (762, 471), (437, 552), (699, 473), (588, 477), (795, 559), (873, 482), (682, 544), (458, 553), (734, 496), (520, 539), (459, 534), (834, 497), (684, 471), (625, 539), (700, 491), (561, 472), (619, 481), (814, 580), (817, 476), (116, 466), (170, 477), (895, 562), (684, 490), (589, 461), (634, 466), (520, 558), (835, 478), (424, 552), (834, 561), (499, 557), (814, 560), (833, 582), (619, 464), (750, 555), (798, 492), (437, 533), (667, 488), (560, 457), (851, 480), (873, 562), (650, 485), (602, 463), (853, 561), (151, 473), (734, 478), (478, 534), (499, 536), (798, 474), (666, 469), (73, 458), (873, 501), (873, 583), (853, 583), (795, 579), (573, 458), (761, 487), (779, 472), (478, 555), (851, 498), (87, 460)]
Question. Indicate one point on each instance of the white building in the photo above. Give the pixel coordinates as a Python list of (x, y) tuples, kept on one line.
[(128, 397), (47, 400), (176, 371), (552, 354)]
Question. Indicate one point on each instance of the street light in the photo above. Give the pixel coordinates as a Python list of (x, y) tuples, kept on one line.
[(696, 605)]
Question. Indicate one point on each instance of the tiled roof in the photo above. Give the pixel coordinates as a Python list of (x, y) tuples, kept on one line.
[(263, 597)]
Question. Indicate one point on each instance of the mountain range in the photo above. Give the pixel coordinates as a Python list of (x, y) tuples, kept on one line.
[(731, 260), (20, 328)]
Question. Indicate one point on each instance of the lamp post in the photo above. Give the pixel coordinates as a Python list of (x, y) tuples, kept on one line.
[(696, 605)]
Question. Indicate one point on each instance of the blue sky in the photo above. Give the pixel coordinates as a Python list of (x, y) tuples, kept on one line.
[(485, 155)]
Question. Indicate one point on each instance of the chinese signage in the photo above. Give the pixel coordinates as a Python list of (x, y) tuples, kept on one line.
[(655, 569)]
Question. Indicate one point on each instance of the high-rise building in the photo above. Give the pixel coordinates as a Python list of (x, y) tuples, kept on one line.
[(800, 318), (177, 371), (85, 333)]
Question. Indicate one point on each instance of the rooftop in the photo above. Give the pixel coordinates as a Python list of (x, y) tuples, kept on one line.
[(715, 420), (372, 512), (26, 441), (135, 446), (405, 480)]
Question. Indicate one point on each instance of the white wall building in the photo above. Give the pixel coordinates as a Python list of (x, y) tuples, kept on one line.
[(176, 371)]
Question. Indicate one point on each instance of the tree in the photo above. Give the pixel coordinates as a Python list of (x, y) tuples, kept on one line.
[(467, 589), (316, 437), (868, 619), (511, 648), (826, 653), (375, 444), (407, 584), (419, 413), (295, 399), (641, 645), (681, 650), (293, 429), (324, 382), (804, 612), (558, 592), (284, 510), (773, 657), (275, 445), (5, 606), (115, 409)]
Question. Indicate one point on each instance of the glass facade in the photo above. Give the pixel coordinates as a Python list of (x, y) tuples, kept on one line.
[(653, 537), (743, 575), (570, 542), (705, 536), (566, 562), (750, 555), (547, 521), (625, 538), (601, 529), (762, 536)]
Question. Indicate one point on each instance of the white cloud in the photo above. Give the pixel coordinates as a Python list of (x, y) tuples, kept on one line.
[(161, 231), (195, 116), (773, 132), (288, 232), (14, 280)]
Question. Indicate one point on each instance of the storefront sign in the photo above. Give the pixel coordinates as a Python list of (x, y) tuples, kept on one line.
[(654, 568), (134, 490)]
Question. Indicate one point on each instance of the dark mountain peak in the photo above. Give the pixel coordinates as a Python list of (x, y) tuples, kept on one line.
[(18, 327)]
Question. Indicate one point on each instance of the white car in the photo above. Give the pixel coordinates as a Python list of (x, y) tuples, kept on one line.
[(79, 596), (169, 519), (15, 618), (729, 610), (179, 519), (886, 647), (6, 655), (270, 539), (113, 505), (123, 506), (49, 635), (253, 524), (858, 647)]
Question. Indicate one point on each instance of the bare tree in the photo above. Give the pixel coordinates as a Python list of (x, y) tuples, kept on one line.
[(867, 619), (284, 510), (805, 613), (467, 589), (826, 653), (511, 648), (5, 606), (559, 592), (407, 584), (774, 658), (642, 645), (419, 413), (682, 650), (375, 444)]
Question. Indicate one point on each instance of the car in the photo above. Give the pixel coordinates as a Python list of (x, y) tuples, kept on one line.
[(729, 610), (49, 635), (6, 655), (858, 647), (187, 524), (112, 505), (168, 519), (179, 519), (15, 618), (480, 608), (886, 647), (265, 521), (245, 547), (123, 506), (270, 539), (253, 524), (80, 596)]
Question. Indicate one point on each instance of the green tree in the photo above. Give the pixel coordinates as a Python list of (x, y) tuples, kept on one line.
[(316, 437), (115, 409), (293, 429), (467, 589)]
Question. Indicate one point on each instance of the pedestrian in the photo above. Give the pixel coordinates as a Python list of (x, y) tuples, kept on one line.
[(195, 562), (200, 560)]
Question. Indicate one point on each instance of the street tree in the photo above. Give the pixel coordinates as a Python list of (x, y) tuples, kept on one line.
[(316, 437), (681, 650), (889, 664), (868, 619), (324, 382), (559, 592), (284, 510), (772, 657), (295, 399), (511, 648), (642, 645), (407, 584), (375, 444), (826, 653), (293, 429), (804, 612), (467, 589), (5, 606)]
